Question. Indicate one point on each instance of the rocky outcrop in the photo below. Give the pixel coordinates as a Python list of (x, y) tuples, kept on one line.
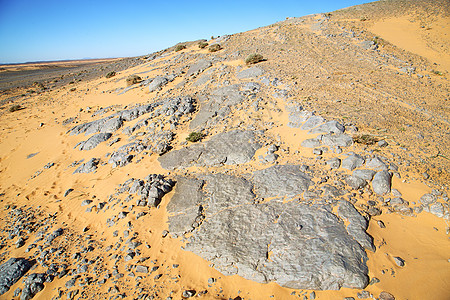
[(295, 244)]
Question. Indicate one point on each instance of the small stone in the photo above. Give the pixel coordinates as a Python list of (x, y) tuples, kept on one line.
[(382, 143), (188, 293), (317, 151), (381, 224), (386, 296), (374, 280), (312, 295), (67, 192), (399, 261)]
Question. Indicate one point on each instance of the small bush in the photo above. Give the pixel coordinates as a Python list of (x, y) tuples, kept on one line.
[(365, 139), (254, 58), (110, 74), (202, 45), (15, 107), (133, 79), (214, 48), (179, 47), (194, 137)]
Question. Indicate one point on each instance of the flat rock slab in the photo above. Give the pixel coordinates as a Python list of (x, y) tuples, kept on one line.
[(229, 148), (294, 244), (198, 67), (250, 73), (280, 181)]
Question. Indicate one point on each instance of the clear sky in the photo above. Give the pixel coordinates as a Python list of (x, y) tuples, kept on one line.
[(33, 30)]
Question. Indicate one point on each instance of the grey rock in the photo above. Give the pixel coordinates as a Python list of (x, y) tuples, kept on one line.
[(203, 79), (377, 164), (317, 151), (381, 183), (198, 67), (234, 147), (312, 122), (352, 162), (86, 202), (382, 143), (141, 269), (157, 83), (120, 159), (58, 232), (337, 140), (93, 141), (293, 244), (88, 167), (296, 118), (280, 181), (437, 209), (250, 73), (364, 174), (251, 87), (368, 45), (329, 127), (11, 271), (399, 261), (111, 125), (428, 199), (311, 143), (188, 293), (358, 224), (355, 182), (185, 206)]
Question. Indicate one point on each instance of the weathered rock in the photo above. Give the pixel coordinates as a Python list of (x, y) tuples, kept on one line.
[(311, 143), (334, 163), (355, 182), (352, 162), (358, 224), (293, 244), (250, 73), (386, 296), (381, 183), (438, 209), (428, 199), (329, 127), (157, 83), (11, 271), (185, 206), (312, 122), (93, 141), (399, 261), (377, 164), (337, 140), (198, 67), (364, 174), (88, 167), (280, 181), (111, 125), (234, 147)]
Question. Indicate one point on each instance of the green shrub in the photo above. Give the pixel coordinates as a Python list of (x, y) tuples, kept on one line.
[(15, 107), (110, 74), (214, 48), (194, 137), (254, 58), (202, 45), (133, 79), (179, 47)]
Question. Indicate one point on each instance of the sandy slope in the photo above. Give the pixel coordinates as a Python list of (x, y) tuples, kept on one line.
[(334, 77)]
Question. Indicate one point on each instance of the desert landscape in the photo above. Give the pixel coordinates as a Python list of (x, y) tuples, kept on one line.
[(307, 159)]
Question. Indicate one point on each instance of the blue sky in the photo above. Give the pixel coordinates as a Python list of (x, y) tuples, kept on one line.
[(32, 30)]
